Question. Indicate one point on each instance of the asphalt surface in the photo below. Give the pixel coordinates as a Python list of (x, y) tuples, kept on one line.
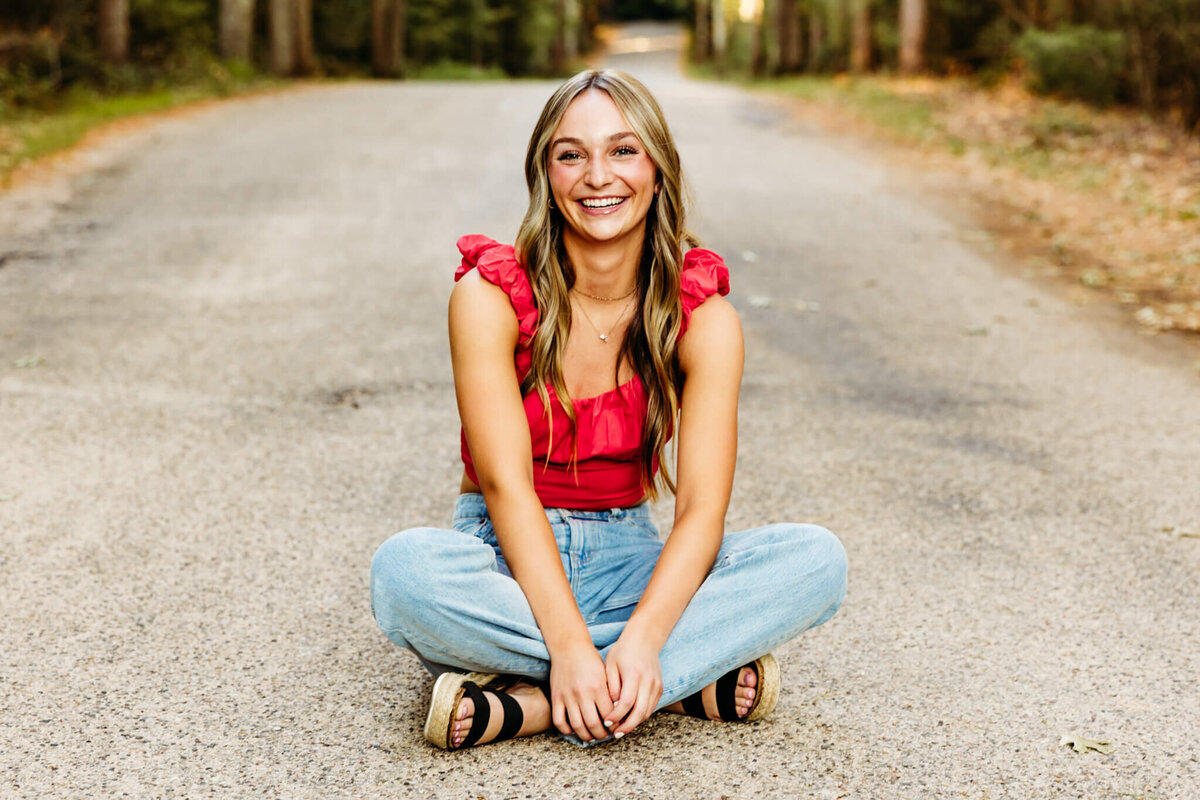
[(224, 380)]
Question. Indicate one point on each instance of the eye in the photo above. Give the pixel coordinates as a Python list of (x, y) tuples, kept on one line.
[(626, 150), (569, 155)]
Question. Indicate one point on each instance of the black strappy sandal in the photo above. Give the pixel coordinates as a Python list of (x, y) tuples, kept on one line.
[(448, 693), (766, 693)]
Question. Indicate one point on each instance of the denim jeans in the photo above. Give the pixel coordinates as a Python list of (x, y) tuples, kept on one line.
[(448, 596)]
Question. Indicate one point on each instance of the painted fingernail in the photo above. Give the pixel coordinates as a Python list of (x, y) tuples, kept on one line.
[(618, 735), (608, 723)]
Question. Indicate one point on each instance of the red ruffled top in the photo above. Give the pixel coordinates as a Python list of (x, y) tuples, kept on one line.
[(609, 426)]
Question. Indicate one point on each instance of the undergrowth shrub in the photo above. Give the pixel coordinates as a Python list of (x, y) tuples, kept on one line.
[(1079, 61)]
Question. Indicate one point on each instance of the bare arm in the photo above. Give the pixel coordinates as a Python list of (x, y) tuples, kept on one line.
[(483, 337), (711, 355)]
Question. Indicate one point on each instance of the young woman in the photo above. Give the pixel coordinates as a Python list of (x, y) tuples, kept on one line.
[(577, 355)]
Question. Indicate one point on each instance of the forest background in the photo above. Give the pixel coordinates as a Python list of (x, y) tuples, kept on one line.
[(1140, 52)]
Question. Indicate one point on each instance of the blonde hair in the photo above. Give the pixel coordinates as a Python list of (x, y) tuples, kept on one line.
[(652, 339)]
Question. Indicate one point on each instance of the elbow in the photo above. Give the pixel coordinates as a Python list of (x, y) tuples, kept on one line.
[(503, 488)]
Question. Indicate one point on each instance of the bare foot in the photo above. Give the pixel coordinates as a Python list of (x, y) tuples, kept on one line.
[(534, 706), (747, 680)]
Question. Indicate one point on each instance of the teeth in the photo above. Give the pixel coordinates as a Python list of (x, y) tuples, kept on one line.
[(604, 203)]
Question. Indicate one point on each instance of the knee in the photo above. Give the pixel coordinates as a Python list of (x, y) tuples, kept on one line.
[(819, 562), (399, 571)]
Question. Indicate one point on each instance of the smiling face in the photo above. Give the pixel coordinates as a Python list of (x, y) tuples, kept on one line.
[(601, 177)]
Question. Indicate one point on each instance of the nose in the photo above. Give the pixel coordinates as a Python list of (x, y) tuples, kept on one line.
[(598, 172)]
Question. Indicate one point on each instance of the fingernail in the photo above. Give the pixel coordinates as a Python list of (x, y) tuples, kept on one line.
[(608, 723), (618, 735)]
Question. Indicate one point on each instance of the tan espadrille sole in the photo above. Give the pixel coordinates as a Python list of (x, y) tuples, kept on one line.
[(766, 692), (447, 694)]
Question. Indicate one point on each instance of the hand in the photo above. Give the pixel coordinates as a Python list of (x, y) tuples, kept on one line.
[(634, 682), (579, 695)]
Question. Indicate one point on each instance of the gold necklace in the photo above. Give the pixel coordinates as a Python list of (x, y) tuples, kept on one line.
[(605, 299), (604, 336)]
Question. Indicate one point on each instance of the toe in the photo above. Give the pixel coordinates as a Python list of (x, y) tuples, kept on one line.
[(748, 677), (462, 721)]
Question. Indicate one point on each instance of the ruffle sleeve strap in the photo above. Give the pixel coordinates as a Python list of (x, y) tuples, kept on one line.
[(498, 264), (703, 274)]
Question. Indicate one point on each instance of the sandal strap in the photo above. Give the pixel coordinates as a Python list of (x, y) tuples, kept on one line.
[(727, 695), (693, 706), (514, 717), (482, 714)]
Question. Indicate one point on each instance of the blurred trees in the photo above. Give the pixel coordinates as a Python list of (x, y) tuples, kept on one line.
[(235, 29), (47, 47), (1144, 52)]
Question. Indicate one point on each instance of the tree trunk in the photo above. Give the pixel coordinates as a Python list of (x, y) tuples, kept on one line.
[(387, 38), (759, 56), (589, 17), (914, 18), (570, 30), (700, 45), (816, 39), (306, 62), (718, 29), (236, 29), (558, 47), (112, 30), (860, 37), (789, 36), (280, 23)]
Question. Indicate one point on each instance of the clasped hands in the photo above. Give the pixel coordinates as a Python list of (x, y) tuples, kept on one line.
[(594, 697)]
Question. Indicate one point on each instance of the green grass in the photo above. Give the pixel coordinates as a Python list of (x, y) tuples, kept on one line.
[(456, 71), (26, 134)]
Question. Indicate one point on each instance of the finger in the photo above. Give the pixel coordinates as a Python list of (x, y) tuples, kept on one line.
[(603, 703), (592, 720), (626, 701), (576, 718), (558, 716), (613, 673), (647, 697)]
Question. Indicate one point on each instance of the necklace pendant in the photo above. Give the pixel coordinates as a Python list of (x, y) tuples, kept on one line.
[(604, 338)]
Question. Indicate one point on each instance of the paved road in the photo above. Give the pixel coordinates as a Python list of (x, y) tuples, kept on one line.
[(224, 380)]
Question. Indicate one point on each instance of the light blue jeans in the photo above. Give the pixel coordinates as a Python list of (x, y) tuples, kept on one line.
[(448, 596)]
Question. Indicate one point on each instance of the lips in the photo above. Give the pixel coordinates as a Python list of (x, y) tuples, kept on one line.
[(601, 205)]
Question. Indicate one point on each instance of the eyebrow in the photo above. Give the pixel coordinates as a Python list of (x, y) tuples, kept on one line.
[(579, 142)]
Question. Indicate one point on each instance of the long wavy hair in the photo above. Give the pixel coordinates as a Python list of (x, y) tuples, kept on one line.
[(650, 344)]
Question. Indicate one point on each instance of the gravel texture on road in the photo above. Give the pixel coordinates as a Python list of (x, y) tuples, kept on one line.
[(224, 380)]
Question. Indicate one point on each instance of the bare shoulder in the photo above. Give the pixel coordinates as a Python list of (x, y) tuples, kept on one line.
[(482, 307), (714, 334)]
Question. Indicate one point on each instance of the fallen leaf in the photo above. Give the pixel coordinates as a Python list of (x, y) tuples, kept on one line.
[(976, 331), (1081, 745), (28, 361)]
